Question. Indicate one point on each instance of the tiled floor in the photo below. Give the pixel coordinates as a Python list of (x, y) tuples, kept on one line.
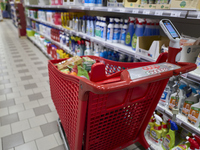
[(27, 113)]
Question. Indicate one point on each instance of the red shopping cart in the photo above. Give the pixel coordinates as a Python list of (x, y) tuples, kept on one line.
[(112, 110)]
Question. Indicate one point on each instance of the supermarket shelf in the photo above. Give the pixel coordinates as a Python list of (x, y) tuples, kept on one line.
[(180, 119), (66, 49), (139, 11), (152, 145), (115, 46), (32, 39), (193, 15)]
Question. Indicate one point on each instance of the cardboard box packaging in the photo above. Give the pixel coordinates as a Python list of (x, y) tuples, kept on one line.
[(150, 46), (131, 3), (185, 4), (115, 3)]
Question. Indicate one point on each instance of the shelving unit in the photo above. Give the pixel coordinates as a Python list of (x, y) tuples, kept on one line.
[(32, 39), (115, 46)]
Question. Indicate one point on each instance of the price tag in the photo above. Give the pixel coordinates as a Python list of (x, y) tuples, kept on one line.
[(70, 7), (175, 14), (109, 9), (84, 37), (198, 16), (158, 13), (77, 34), (92, 8), (137, 56), (184, 75), (122, 10), (82, 7), (135, 11), (104, 43), (146, 12), (116, 49)]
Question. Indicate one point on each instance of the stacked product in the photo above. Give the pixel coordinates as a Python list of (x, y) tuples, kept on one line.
[(21, 19)]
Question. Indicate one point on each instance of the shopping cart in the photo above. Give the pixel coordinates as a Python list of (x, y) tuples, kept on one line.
[(113, 110)]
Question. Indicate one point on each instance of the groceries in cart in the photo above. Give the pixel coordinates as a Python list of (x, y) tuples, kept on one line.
[(76, 66)]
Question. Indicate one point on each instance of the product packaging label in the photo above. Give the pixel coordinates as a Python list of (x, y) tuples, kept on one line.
[(154, 137), (108, 34), (193, 115), (123, 35), (128, 38), (164, 96), (172, 102), (116, 34), (186, 107), (151, 70), (180, 147), (134, 42), (166, 142)]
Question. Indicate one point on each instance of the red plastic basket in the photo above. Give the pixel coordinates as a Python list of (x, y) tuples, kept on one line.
[(112, 114)]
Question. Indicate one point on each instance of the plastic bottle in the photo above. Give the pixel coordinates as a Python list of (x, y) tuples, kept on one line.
[(156, 131), (105, 53), (76, 24), (197, 138), (138, 32), (148, 29), (124, 30), (79, 51), (130, 32), (87, 51), (121, 57), (182, 146), (99, 3), (79, 24), (164, 126), (100, 27), (169, 139), (97, 27), (91, 3), (150, 125), (88, 26), (86, 3), (121, 27), (190, 100), (157, 28), (116, 31), (110, 30), (96, 52), (193, 144), (73, 23), (91, 26), (83, 25), (104, 29), (164, 100)]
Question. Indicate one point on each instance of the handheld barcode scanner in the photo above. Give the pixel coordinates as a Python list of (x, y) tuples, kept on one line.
[(174, 36)]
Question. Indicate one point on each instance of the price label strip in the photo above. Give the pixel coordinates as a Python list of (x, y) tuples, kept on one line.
[(135, 11), (146, 12), (175, 14), (198, 16), (159, 13)]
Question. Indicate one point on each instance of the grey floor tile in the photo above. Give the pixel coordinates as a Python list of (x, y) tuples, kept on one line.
[(15, 53), (42, 110), (21, 65), (34, 58), (45, 74), (18, 60), (3, 73), (26, 78), (38, 62), (28, 51), (61, 147), (36, 96), (9, 119), (23, 71), (4, 81), (3, 67), (7, 103), (30, 86), (42, 68), (16, 56), (31, 54), (49, 128), (5, 91), (12, 140)]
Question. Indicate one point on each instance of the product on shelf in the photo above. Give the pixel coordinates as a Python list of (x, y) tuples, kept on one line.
[(185, 4)]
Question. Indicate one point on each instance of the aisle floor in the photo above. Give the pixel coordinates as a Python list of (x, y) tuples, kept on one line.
[(27, 113)]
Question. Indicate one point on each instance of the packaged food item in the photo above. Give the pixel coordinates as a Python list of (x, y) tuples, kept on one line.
[(65, 71), (76, 60), (82, 72), (87, 63)]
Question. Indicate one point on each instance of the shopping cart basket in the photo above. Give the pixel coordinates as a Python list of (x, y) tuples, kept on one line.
[(113, 110)]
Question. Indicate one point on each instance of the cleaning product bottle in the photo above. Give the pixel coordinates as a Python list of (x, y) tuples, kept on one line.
[(172, 102), (190, 100), (104, 29), (116, 31), (124, 30), (164, 126), (130, 32), (79, 50), (79, 24), (182, 146), (97, 27), (87, 51), (169, 139), (156, 131), (100, 26), (148, 29), (197, 138), (110, 54), (105, 53), (150, 125), (193, 116), (88, 26), (164, 100), (120, 28), (138, 32), (76, 24), (193, 144), (110, 30), (92, 26), (97, 52), (83, 25), (157, 28)]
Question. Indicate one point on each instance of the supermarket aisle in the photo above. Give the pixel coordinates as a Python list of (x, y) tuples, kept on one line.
[(27, 114)]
